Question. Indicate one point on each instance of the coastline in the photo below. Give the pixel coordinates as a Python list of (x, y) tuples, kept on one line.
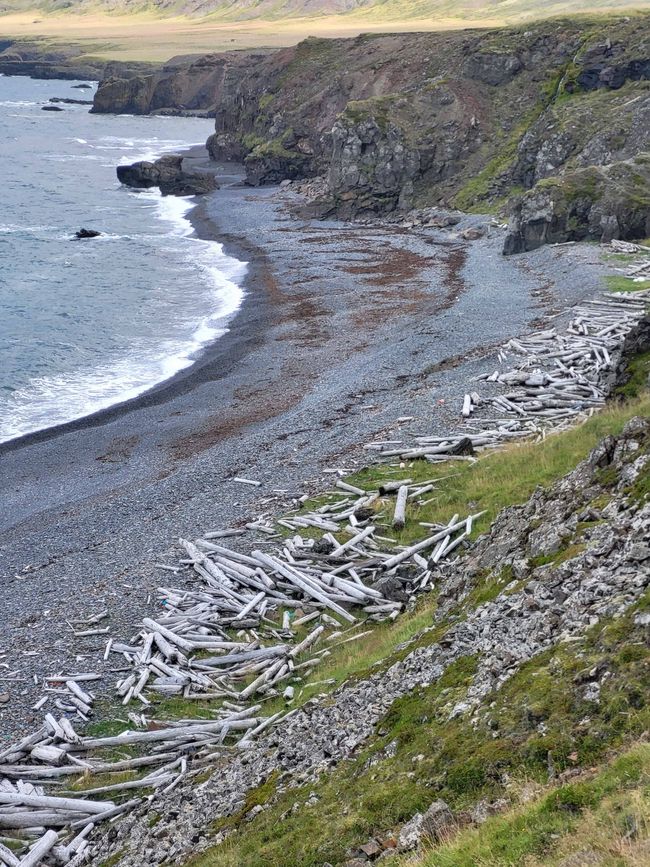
[(344, 328), (212, 358)]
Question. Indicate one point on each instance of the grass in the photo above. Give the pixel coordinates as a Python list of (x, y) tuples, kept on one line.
[(499, 478), (616, 283), (419, 754), (595, 814), (147, 35), (638, 373)]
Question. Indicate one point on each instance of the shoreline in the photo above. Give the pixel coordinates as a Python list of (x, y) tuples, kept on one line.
[(204, 365), (344, 329)]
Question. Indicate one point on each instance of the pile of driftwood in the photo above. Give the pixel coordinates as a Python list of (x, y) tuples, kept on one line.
[(639, 269), (559, 380), (244, 629), (249, 628)]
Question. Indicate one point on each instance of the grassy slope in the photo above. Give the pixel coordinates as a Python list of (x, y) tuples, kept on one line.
[(149, 36), (507, 752)]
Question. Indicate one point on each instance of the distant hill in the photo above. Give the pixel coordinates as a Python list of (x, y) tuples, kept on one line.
[(384, 10)]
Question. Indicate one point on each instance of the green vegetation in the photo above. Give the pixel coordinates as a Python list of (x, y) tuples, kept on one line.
[(602, 810), (638, 373), (617, 283), (498, 479), (114, 859), (376, 108), (540, 718)]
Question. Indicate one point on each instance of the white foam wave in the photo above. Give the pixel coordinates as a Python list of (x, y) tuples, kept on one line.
[(47, 401)]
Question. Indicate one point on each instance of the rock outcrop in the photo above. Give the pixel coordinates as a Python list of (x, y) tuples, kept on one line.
[(595, 203), (402, 121), (168, 174), (42, 60), (185, 85)]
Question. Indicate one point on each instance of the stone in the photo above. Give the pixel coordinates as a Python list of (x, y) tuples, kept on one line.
[(372, 849), (473, 233), (410, 834), (596, 203), (51, 108), (436, 820), (168, 174), (86, 233), (640, 552), (391, 588)]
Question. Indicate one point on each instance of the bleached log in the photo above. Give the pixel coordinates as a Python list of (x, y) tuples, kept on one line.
[(49, 754), (131, 737), (300, 582), (37, 819), (40, 849), (351, 489), (108, 814), (46, 802), (368, 531), (7, 857), (399, 516), (426, 543)]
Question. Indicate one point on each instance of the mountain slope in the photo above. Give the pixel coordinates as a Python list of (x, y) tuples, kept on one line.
[(490, 11)]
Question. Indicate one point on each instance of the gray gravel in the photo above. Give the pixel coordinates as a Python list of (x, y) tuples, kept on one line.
[(343, 329)]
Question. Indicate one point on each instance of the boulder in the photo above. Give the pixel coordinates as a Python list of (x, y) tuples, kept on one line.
[(168, 174), (86, 233), (437, 819), (410, 834), (391, 588), (68, 101), (51, 108)]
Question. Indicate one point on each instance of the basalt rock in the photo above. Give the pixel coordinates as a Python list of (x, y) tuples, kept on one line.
[(402, 121), (168, 175), (596, 204), (185, 85)]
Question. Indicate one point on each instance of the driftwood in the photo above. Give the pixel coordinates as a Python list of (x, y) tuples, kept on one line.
[(399, 516), (240, 605)]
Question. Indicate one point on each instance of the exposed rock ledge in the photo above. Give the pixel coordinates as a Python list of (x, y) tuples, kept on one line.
[(168, 175), (590, 204)]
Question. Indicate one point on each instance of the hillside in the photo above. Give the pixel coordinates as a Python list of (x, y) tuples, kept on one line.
[(392, 10), (557, 113)]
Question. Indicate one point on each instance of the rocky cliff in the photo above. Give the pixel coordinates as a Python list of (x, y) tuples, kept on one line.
[(398, 121), (596, 203), (184, 85), (40, 60)]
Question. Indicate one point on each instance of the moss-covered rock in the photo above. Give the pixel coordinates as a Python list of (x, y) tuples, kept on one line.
[(595, 204)]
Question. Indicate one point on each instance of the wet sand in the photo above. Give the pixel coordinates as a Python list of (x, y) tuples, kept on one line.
[(343, 329)]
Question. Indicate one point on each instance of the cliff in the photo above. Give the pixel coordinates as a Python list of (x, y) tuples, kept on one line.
[(466, 118), (40, 60), (184, 85)]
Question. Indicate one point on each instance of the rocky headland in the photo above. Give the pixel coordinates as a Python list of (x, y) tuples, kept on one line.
[(38, 59), (472, 119)]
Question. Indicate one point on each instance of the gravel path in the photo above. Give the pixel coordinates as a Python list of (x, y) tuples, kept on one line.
[(344, 329)]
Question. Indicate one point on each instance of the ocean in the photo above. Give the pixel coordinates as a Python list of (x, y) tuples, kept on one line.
[(88, 324)]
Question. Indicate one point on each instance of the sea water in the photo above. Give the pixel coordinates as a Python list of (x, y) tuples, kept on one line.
[(88, 324)]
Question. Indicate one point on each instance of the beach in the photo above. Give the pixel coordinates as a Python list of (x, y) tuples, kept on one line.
[(344, 328)]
